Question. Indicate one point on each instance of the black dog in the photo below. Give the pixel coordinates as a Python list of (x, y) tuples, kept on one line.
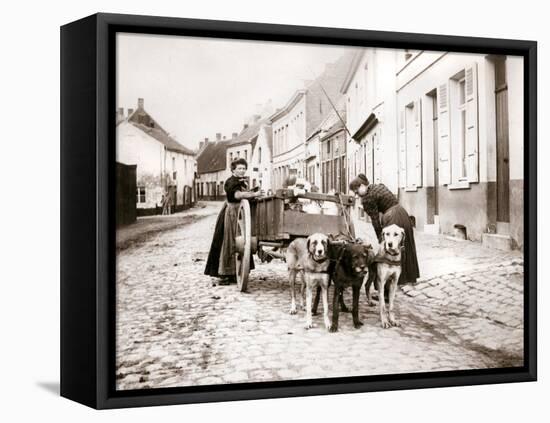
[(349, 265)]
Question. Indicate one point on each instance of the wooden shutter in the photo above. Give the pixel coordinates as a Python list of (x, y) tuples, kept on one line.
[(418, 142), (443, 125), (402, 150), (369, 171), (472, 139), (377, 158)]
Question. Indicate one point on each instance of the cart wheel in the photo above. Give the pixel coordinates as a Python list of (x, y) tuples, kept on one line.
[(243, 241)]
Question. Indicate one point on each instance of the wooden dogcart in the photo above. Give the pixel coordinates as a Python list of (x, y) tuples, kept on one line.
[(274, 221)]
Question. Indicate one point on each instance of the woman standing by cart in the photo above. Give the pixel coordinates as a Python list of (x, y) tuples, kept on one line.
[(384, 210), (221, 258)]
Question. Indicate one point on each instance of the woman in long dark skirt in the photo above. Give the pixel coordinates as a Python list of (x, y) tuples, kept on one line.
[(384, 210), (221, 258)]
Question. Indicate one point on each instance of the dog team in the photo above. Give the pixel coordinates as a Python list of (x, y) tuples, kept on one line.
[(320, 261)]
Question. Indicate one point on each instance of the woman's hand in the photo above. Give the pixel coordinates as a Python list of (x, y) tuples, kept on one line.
[(239, 195)]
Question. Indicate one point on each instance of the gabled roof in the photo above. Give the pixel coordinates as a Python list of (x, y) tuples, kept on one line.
[(213, 157), (161, 136), (249, 134), (145, 122)]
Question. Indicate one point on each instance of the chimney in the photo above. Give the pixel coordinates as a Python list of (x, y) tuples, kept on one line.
[(120, 114), (218, 136), (234, 135), (206, 140), (130, 111), (245, 126), (201, 145), (140, 103), (256, 118), (224, 137)]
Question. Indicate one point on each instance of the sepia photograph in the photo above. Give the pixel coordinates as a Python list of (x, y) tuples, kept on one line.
[(290, 211)]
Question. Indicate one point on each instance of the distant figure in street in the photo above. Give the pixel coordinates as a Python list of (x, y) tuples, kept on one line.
[(378, 199), (221, 258)]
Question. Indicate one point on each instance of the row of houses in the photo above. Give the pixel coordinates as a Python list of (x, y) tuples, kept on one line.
[(274, 142), (163, 170), (443, 131)]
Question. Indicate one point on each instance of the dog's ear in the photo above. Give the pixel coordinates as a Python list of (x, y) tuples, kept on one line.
[(402, 242), (307, 243)]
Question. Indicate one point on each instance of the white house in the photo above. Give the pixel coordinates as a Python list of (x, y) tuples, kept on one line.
[(461, 143), (165, 169), (261, 163), (369, 89)]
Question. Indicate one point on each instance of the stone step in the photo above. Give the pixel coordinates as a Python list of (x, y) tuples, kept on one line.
[(498, 241)]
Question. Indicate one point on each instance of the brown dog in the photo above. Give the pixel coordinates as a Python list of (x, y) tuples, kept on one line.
[(349, 265), (386, 268), (309, 257)]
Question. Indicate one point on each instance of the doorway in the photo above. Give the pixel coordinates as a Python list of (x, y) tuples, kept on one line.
[(503, 148), (433, 194)]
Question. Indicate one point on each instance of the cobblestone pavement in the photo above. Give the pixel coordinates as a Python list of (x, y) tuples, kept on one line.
[(176, 328)]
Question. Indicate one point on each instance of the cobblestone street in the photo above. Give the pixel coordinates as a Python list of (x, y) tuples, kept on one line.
[(175, 327)]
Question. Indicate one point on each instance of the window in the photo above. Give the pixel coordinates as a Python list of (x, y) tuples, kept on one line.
[(462, 126), (140, 195), (410, 147), (286, 138), (246, 155), (259, 154), (238, 154), (230, 158)]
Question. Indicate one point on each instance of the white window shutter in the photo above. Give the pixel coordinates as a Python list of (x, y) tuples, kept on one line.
[(369, 171), (402, 150), (418, 141), (472, 138), (443, 125), (377, 159)]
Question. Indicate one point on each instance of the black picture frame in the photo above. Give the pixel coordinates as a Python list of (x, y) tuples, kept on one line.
[(88, 218)]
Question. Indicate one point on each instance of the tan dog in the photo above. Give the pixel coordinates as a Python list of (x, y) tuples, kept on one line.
[(386, 268), (309, 257)]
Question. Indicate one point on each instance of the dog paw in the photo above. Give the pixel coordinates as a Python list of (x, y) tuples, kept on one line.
[(394, 322), (293, 310), (308, 325), (385, 324), (357, 325), (333, 329), (372, 303)]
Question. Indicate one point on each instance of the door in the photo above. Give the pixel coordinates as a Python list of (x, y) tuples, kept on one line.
[(503, 154)]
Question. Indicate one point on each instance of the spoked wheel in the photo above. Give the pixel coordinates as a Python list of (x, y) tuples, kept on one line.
[(243, 245)]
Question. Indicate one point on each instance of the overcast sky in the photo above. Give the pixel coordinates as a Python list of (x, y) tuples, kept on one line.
[(196, 87)]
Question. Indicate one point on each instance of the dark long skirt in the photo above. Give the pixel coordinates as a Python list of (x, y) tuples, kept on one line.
[(221, 258), (409, 263)]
